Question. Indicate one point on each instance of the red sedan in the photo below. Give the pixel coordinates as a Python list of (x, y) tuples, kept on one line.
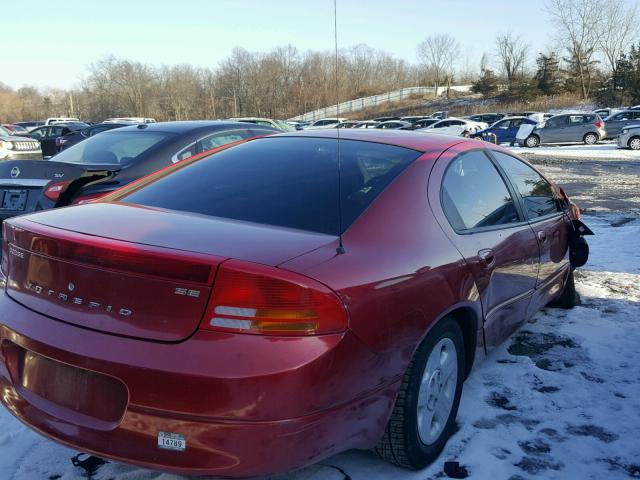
[(279, 301)]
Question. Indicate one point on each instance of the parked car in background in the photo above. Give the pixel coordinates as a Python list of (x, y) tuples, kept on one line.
[(76, 136), (635, 107), (604, 113), (18, 130), (505, 130), (630, 137), (241, 320), (424, 123), (55, 120), (385, 119), (348, 124), (30, 125), (394, 124), (440, 115), (587, 128), (367, 124), (326, 123), (454, 126), (105, 162), (616, 122), (14, 147), (488, 118), (277, 124), (130, 120), (414, 118), (48, 135)]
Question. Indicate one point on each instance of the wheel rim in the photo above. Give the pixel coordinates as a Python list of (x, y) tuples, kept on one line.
[(590, 139), (437, 391), (634, 144), (532, 142)]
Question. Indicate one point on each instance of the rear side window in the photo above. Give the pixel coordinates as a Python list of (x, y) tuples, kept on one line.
[(283, 181), (537, 194), (112, 148), (474, 194)]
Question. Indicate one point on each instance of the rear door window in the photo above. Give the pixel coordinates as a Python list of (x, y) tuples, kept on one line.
[(474, 195), (537, 194), (283, 181)]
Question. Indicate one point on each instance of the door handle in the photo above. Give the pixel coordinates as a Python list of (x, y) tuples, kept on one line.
[(542, 236), (486, 257)]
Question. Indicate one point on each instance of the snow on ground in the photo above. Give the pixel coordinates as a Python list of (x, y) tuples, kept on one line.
[(599, 151), (559, 400)]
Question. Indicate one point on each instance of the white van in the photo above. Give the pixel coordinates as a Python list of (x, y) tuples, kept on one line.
[(54, 120)]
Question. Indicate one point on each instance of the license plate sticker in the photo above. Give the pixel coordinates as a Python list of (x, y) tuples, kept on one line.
[(172, 441)]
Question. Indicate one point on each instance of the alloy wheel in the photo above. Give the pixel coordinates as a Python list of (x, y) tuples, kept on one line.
[(437, 390)]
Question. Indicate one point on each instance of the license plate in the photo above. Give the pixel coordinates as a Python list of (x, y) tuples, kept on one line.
[(172, 441), (14, 200)]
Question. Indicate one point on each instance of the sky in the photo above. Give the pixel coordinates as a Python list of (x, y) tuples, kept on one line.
[(51, 44)]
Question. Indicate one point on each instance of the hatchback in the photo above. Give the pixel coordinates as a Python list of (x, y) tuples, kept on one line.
[(630, 137), (571, 128), (279, 301)]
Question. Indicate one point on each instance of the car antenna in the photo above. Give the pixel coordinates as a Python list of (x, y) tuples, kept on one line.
[(340, 250)]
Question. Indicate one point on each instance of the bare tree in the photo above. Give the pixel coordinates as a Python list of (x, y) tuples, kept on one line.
[(438, 53), (577, 21), (512, 53), (618, 29)]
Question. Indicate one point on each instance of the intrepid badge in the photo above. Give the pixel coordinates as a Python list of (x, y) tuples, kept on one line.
[(63, 297)]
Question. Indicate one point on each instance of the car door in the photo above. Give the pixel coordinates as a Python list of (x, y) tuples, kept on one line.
[(47, 145), (543, 210), (554, 129), (486, 225), (575, 129), (501, 130)]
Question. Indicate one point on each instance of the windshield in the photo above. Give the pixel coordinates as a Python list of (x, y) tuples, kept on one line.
[(112, 148), (4, 132), (282, 181)]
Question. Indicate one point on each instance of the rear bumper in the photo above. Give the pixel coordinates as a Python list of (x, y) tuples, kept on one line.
[(246, 405)]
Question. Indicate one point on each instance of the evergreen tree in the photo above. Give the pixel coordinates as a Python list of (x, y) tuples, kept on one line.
[(548, 75), (487, 84)]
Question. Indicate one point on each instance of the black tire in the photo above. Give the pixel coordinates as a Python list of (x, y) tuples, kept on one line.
[(532, 141), (569, 297), (401, 443), (634, 143), (591, 138)]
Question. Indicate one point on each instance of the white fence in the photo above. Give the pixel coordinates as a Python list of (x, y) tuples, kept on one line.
[(372, 101)]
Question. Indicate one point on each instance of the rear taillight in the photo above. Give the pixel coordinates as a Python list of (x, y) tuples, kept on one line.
[(53, 191), (599, 124), (251, 298)]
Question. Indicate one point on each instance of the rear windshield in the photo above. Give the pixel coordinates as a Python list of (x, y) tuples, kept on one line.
[(112, 148), (283, 181)]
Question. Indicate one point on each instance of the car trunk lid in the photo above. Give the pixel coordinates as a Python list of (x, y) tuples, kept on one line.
[(24, 183), (133, 271)]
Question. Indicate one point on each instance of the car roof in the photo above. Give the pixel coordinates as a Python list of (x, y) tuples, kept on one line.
[(401, 138), (191, 126)]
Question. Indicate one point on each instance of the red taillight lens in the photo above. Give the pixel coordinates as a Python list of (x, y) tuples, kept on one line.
[(251, 298), (599, 124), (53, 191)]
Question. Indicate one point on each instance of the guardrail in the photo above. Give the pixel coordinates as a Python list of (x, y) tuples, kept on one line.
[(374, 100)]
